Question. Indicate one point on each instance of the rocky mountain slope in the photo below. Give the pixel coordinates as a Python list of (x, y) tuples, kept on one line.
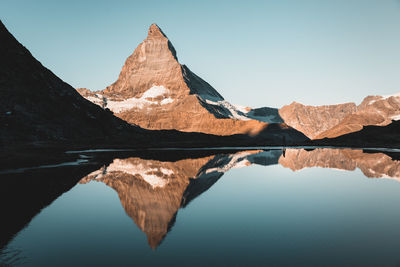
[(35, 105), (374, 110), (314, 120), (155, 91), (319, 122)]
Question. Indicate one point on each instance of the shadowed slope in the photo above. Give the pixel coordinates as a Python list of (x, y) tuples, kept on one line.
[(35, 105)]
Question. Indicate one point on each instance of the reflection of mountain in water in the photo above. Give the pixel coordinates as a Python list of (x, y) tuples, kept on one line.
[(373, 165), (152, 191)]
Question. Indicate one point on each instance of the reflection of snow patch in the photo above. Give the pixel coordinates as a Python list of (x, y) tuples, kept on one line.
[(147, 173), (237, 160), (166, 171), (154, 180)]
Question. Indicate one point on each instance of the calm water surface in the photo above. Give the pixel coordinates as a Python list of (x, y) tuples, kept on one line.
[(294, 207)]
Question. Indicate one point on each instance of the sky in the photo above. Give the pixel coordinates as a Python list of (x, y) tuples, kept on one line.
[(254, 53)]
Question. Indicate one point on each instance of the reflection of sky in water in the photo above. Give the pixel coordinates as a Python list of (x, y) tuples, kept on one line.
[(256, 215)]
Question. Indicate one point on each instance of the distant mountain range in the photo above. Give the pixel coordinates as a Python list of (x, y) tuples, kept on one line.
[(155, 92), (332, 121), (157, 102)]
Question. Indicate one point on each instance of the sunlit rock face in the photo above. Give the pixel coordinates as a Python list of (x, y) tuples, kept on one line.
[(314, 120), (155, 91), (318, 122), (373, 165), (374, 110)]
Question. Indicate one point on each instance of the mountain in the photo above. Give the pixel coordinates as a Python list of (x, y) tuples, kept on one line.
[(38, 109), (314, 120), (374, 110), (155, 91), (37, 106), (318, 122)]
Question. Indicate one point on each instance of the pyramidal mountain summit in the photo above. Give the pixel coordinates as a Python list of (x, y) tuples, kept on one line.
[(155, 91)]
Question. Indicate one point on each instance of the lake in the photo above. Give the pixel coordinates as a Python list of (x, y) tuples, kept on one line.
[(259, 207)]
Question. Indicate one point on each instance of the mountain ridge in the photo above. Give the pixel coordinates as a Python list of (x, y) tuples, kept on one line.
[(155, 91)]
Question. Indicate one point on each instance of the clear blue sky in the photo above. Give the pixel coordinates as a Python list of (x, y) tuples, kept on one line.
[(255, 53)]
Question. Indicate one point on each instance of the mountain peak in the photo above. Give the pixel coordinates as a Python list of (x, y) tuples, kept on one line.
[(155, 31)]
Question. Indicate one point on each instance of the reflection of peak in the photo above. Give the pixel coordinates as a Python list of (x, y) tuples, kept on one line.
[(152, 191), (151, 203)]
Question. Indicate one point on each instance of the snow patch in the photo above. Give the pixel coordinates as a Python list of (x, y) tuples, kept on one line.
[(145, 100), (166, 101), (235, 112), (238, 112), (96, 100), (383, 98), (394, 95), (119, 106), (396, 117), (155, 91)]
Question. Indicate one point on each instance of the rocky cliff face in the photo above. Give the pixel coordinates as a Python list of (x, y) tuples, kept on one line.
[(318, 122), (155, 91), (314, 120), (374, 110)]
